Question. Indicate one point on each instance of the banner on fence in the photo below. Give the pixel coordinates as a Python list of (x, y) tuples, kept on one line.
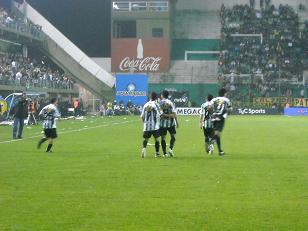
[(270, 101)]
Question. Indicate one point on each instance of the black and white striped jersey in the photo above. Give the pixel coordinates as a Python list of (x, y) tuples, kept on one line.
[(167, 107), (151, 116), (221, 107), (49, 113), (207, 115)]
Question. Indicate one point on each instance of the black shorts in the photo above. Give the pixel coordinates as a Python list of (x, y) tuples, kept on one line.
[(208, 133), (148, 134), (171, 130), (219, 125), (50, 133)]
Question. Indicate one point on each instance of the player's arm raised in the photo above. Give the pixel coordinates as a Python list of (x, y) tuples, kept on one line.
[(42, 111)]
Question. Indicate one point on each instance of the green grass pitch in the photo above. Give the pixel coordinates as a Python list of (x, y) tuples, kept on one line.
[(96, 180)]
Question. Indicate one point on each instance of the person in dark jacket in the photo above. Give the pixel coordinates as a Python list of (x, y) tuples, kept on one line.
[(20, 114)]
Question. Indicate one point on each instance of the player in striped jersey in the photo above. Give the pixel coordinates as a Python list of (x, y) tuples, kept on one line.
[(168, 123), (207, 125), (150, 116), (221, 107), (49, 114)]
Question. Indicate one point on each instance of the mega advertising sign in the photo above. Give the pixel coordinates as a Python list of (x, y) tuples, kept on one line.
[(188, 111), (133, 87), (296, 111), (140, 55), (237, 111)]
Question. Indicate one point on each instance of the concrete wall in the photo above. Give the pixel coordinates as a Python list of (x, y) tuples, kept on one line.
[(145, 26), (188, 72), (145, 22), (104, 63), (196, 25)]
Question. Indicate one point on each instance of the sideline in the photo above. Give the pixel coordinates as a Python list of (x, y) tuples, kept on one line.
[(70, 131)]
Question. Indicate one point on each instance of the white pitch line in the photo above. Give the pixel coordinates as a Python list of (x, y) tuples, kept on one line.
[(70, 131)]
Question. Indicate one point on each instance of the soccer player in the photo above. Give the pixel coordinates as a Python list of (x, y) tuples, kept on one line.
[(150, 116), (207, 125), (221, 107), (168, 122), (49, 113)]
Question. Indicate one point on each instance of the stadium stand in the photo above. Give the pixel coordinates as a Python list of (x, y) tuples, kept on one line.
[(19, 24), (68, 56), (266, 51), (15, 70)]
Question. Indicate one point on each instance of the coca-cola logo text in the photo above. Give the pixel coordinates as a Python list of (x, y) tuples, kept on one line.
[(147, 64)]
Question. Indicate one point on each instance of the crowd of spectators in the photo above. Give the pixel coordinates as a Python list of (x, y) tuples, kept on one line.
[(282, 45), (113, 108), (245, 88), (274, 51), (17, 70), (19, 24)]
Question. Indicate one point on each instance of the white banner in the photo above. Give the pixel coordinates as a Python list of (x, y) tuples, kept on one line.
[(188, 111)]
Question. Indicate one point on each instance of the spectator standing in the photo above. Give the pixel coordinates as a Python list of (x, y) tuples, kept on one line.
[(102, 110), (20, 114), (76, 105), (109, 111)]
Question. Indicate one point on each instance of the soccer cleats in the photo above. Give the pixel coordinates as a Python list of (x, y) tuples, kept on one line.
[(171, 153), (143, 153), (211, 149)]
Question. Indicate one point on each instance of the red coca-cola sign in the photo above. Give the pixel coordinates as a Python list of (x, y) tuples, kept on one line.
[(140, 55)]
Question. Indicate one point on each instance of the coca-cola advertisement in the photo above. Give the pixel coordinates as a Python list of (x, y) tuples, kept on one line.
[(140, 55)]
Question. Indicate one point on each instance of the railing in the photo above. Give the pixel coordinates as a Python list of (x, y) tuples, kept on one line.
[(26, 29), (187, 53), (140, 6), (36, 83), (249, 35)]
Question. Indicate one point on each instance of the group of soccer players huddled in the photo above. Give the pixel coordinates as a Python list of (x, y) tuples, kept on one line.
[(159, 117)]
